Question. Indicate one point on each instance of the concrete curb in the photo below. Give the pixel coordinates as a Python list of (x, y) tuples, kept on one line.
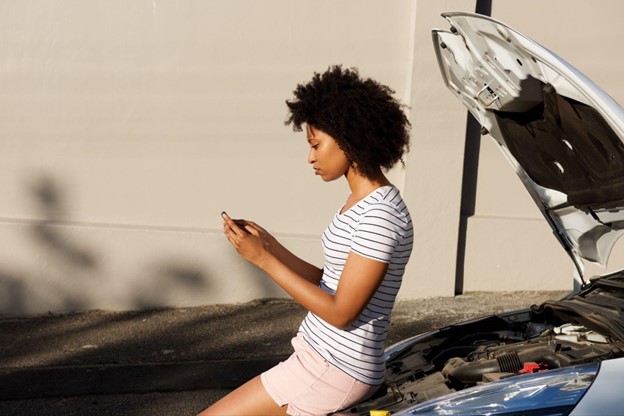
[(45, 382)]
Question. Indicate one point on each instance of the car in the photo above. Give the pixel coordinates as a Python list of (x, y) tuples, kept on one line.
[(563, 136)]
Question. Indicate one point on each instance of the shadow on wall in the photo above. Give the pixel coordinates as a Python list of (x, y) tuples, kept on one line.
[(49, 198), (12, 294), (19, 290), (169, 278), (73, 274)]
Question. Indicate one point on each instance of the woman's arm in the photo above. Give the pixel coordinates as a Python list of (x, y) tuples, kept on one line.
[(301, 267), (359, 281), (360, 278)]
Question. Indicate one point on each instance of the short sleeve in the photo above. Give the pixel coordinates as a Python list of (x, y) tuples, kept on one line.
[(380, 231)]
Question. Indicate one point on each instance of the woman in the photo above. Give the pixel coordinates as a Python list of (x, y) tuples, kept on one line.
[(355, 128)]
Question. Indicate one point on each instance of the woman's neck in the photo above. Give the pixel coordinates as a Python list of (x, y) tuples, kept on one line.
[(361, 186)]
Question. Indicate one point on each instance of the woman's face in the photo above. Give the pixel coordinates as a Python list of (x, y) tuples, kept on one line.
[(326, 157)]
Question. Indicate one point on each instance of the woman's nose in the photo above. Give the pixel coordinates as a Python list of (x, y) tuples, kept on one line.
[(311, 156)]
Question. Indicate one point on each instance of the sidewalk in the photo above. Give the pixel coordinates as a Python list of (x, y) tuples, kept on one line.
[(185, 349)]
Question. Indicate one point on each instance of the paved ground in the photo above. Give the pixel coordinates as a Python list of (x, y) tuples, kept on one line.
[(177, 361)]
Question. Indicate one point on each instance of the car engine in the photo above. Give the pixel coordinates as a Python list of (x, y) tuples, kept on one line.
[(584, 327)]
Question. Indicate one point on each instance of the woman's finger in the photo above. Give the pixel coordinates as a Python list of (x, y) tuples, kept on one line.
[(256, 227), (232, 225), (231, 234), (252, 230), (228, 235)]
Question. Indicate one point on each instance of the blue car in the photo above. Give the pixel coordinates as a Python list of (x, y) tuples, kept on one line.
[(564, 137)]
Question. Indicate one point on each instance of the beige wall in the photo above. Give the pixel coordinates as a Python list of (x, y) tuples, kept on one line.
[(126, 127)]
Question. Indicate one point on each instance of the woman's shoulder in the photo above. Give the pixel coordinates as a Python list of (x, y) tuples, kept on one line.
[(389, 197), (386, 203)]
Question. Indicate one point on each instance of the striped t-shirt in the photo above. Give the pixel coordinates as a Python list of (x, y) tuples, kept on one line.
[(378, 227)]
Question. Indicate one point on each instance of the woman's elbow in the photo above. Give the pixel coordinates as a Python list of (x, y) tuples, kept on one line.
[(342, 322)]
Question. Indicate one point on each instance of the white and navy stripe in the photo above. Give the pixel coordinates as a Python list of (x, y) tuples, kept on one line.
[(378, 227)]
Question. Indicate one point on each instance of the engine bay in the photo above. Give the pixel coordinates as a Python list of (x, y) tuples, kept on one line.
[(584, 327)]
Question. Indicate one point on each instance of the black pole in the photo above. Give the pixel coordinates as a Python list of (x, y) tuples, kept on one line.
[(469, 177), (484, 7)]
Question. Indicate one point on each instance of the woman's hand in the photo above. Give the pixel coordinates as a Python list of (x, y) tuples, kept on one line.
[(250, 240)]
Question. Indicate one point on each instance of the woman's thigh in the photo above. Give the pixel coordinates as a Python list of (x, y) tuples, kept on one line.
[(249, 399)]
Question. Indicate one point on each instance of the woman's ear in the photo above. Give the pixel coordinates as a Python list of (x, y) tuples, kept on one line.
[(353, 165)]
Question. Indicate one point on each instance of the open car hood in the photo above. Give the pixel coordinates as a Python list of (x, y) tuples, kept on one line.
[(561, 133)]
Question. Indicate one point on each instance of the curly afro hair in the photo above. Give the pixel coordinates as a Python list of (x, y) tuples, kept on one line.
[(366, 122)]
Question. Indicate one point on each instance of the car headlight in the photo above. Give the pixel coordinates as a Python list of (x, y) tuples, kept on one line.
[(549, 393)]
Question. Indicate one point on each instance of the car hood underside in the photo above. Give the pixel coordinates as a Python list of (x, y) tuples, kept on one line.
[(561, 133)]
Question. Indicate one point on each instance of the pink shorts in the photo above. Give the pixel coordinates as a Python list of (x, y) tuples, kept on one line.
[(309, 385)]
